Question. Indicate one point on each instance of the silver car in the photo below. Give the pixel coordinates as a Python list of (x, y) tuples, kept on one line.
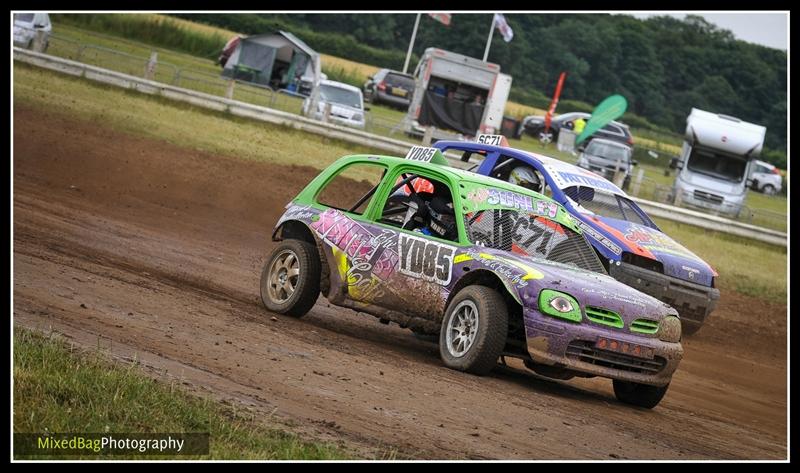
[(345, 101), (766, 178), (606, 157)]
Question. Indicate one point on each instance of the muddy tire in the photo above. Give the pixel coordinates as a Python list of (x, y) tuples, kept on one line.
[(290, 278), (641, 395), (474, 330)]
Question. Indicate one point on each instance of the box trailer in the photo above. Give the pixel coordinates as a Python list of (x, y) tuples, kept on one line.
[(457, 96), (714, 166)]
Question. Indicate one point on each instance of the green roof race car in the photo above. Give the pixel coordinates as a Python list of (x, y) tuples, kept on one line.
[(492, 269)]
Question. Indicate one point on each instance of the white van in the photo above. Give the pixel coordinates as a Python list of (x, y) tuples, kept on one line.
[(347, 104), (26, 25), (715, 162)]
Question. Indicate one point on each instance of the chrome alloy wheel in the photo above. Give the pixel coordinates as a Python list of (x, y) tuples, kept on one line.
[(462, 328)]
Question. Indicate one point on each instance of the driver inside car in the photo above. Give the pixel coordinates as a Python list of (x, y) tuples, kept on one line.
[(429, 209), (526, 177)]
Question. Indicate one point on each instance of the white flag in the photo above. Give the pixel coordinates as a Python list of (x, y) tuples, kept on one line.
[(502, 25)]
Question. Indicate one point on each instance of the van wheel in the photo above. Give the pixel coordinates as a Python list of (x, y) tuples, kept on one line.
[(290, 278), (474, 330), (642, 395)]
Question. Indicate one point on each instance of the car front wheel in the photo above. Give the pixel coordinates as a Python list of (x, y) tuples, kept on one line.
[(290, 278), (474, 330), (769, 189), (642, 395)]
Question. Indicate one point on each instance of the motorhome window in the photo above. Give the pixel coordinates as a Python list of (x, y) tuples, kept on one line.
[(722, 166), (606, 204), (341, 96), (609, 151)]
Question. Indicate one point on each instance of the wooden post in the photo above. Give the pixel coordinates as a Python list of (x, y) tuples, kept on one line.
[(619, 176), (327, 115), (229, 90), (39, 42), (150, 69), (428, 136), (638, 181)]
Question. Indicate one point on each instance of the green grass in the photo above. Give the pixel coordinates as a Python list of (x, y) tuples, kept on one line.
[(131, 112), (178, 124), (60, 389)]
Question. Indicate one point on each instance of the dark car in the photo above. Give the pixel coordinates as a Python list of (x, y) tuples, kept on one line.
[(533, 125), (606, 158), (390, 87)]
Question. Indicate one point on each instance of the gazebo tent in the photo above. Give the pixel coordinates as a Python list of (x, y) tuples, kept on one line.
[(279, 60)]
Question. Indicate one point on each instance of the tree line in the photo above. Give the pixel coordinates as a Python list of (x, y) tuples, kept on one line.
[(662, 65)]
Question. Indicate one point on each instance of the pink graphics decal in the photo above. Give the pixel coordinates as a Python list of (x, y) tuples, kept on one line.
[(369, 252)]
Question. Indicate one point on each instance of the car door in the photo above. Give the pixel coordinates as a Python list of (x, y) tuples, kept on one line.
[(418, 284), (360, 255)]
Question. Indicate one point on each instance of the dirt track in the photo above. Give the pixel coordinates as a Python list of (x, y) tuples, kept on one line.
[(156, 250)]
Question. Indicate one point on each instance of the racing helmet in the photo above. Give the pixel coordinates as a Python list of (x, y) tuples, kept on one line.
[(525, 176), (442, 219)]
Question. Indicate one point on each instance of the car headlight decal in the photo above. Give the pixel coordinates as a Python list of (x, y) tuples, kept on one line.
[(559, 304)]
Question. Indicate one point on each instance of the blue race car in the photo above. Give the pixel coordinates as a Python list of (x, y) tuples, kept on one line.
[(632, 247)]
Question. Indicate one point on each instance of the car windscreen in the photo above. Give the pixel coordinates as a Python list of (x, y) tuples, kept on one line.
[(531, 235), (722, 166), (340, 96), (24, 17), (606, 204), (608, 151), (403, 82)]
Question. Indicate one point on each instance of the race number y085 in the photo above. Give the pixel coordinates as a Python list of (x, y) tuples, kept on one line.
[(421, 153)]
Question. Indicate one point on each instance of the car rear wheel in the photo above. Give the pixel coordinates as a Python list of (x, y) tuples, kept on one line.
[(474, 330), (642, 395), (290, 278), (769, 189)]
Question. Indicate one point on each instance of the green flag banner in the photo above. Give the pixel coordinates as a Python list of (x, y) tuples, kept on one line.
[(609, 110)]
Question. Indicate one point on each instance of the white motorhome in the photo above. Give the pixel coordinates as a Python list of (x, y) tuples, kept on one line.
[(715, 161), (458, 96)]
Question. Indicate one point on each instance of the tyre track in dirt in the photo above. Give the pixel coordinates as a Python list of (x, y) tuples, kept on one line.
[(163, 246)]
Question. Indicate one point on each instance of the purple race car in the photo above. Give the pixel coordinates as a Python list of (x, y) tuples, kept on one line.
[(493, 269), (632, 247)]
